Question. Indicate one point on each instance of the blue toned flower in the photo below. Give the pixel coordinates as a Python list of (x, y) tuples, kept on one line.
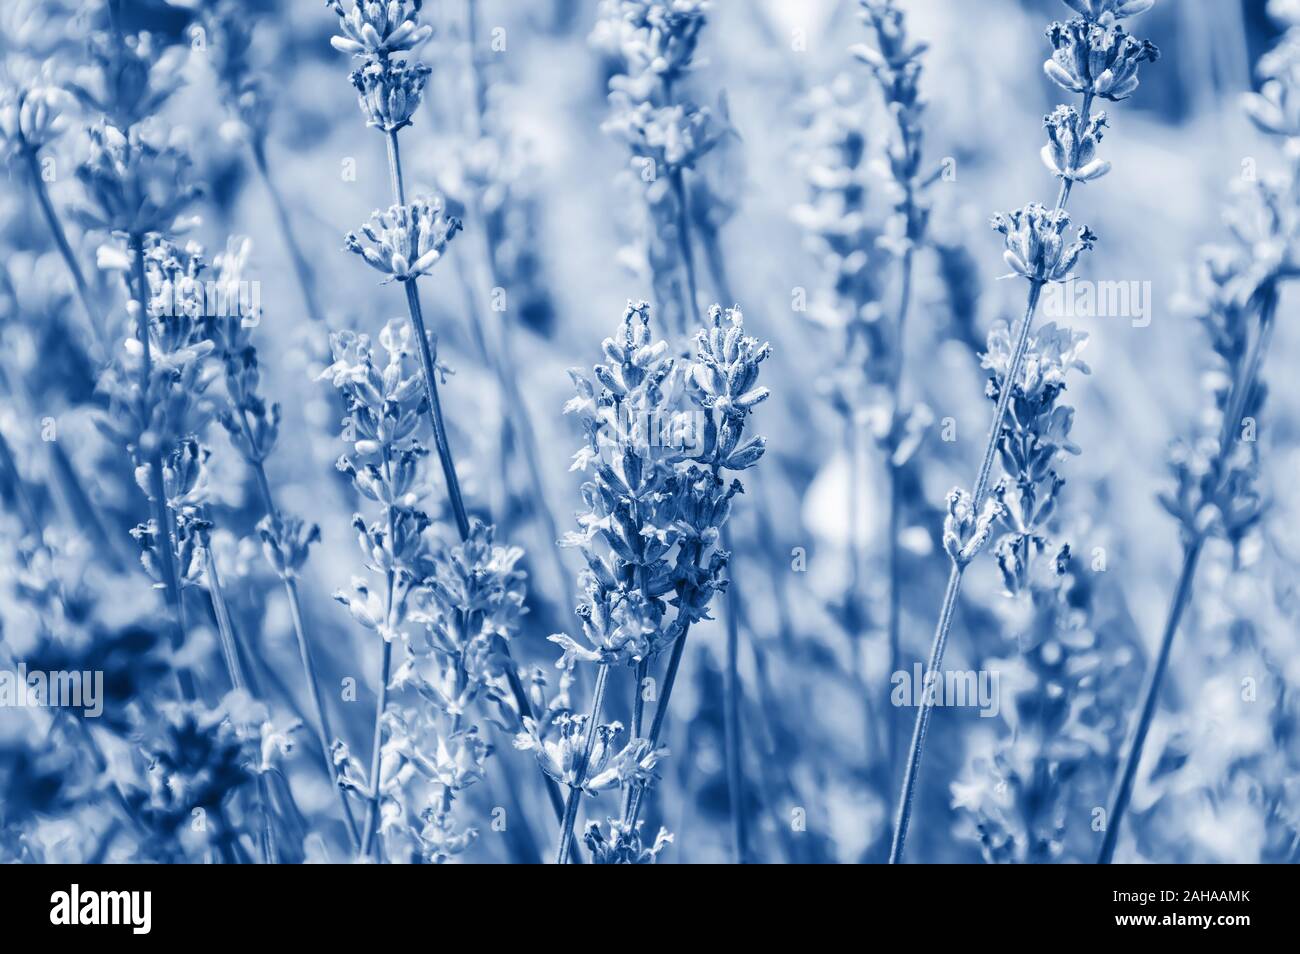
[(1035, 434), (623, 845), (964, 531), (128, 78), (1071, 151), (672, 137), (656, 39), (132, 186), (31, 118), (1051, 353), (286, 540), (559, 741), (1035, 240), (637, 430), (378, 27), (389, 93), (1098, 60), (406, 241), (1101, 11)]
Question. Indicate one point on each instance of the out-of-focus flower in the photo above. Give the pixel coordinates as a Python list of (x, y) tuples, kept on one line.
[(128, 78), (31, 118), (1100, 11), (133, 186)]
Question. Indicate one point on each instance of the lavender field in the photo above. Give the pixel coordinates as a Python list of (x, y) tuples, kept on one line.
[(649, 431)]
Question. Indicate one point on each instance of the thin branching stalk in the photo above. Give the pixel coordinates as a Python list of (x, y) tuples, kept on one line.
[(953, 589)]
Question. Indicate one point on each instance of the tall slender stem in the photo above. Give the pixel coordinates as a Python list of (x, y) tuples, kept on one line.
[(430, 374), (733, 741), (60, 236), (428, 369), (661, 713), (302, 271), (1242, 387), (923, 712), (893, 470), (325, 733), (1150, 692), (376, 753), (580, 769), (691, 312), (230, 651)]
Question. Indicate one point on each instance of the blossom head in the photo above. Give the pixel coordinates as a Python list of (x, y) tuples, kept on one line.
[(133, 186), (389, 92), (378, 28), (128, 77), (965, 532), (406, 241), (1107, 11), (725, 379), (1072, 145), (31, 118), (1095, 59), (1035, 242), (624, 844), (655, 38)]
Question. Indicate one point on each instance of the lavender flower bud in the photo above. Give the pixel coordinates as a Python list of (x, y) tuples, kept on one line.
[(378, 28), (406, 241), (389, 93), (1070, 151), (1105, 10), (1035, 242), (1101, 60)]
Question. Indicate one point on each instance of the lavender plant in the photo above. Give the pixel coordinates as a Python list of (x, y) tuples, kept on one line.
[(659, 433), (407, 240), (1235, 298), (1094, 56), (467, 597)]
